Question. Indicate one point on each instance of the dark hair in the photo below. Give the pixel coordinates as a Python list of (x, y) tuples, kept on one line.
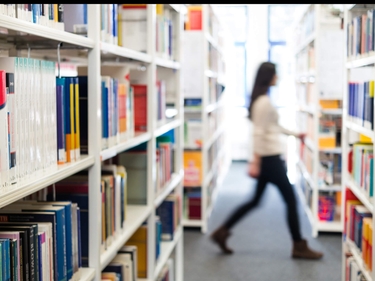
[(265, 74)]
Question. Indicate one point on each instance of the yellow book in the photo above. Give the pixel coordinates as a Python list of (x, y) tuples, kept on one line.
[(122, 108), (77, 133), (55, 12), (365, 228), (122, 172), (119, 27), (159, 9), (369, 252), (70, 157), (139, 239)]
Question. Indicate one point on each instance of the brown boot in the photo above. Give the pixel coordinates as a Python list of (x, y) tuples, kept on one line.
[(302, 251), (220, 236)]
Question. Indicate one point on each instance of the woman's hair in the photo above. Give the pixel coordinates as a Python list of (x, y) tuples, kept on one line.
[(265, 74)]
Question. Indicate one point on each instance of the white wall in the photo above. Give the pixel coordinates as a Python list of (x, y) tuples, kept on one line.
[(257, 52)]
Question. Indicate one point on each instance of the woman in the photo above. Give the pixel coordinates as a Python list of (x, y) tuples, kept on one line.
[(268, 165)]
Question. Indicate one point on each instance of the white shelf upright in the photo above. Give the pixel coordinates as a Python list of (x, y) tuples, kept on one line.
[(351, 133), (311, 82), (215, 169)]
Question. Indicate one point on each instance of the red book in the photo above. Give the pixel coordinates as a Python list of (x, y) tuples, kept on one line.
[(140, 107), (3, 92)]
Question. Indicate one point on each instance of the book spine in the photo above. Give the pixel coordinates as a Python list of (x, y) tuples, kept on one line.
[(60, 115), (4, 145), (76, 119)]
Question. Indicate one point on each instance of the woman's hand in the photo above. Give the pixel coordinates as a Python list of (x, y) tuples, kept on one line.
[(253, 169)]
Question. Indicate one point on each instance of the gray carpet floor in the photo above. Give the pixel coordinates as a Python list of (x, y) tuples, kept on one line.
[(261, 241)]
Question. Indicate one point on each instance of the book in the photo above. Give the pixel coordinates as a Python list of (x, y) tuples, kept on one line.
[(44, 215), (5, 257), (139, 239), (69, 118), (60, 116), (132, 250), (14, 236)]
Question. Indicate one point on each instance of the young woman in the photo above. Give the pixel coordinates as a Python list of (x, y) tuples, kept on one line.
[(268, 165)]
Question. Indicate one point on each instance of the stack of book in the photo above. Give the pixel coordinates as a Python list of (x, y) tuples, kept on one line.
[(40, 240)]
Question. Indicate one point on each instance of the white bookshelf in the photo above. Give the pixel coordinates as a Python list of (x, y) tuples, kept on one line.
[(310, 40), (352, 131), (200, 73), (97, 55)]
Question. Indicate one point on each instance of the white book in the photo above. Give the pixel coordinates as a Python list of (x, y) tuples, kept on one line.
[(133, 251), (125, 259), (48, 254), (52, 94)]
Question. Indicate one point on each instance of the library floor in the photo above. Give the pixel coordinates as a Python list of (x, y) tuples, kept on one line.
[(261, 241)]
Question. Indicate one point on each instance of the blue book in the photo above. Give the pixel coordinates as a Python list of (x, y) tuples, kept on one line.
[(3, 264), (82, 202), (40, 258), (159, 230), (60, 117), (105, 131), (84, 13), (114, 20), (166, 213), (68, 232), (6, 258)]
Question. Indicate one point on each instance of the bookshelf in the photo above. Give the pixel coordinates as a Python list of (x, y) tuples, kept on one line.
[(206, 156), (94, 55), (319, 47), (358, 131)]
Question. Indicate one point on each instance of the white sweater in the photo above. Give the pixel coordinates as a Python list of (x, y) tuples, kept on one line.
[(266, 128)]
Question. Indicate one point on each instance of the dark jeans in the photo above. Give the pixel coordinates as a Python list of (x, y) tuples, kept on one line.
[(273, 170)]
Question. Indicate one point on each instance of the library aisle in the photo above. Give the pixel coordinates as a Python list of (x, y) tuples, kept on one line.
[(260, 241)]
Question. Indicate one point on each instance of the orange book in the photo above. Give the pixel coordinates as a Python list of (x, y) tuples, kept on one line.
[(365, 231), (192, 168), (122, 108), (369, 251), (348, 218), (195, 18)]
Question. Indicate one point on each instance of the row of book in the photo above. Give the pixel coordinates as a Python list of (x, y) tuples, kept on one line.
[(118, 107), (40, 240), (130, 263), (329, 206), (360, 166), (360, 34), (329, 172), (192, 203), (353, 271), (28, 122), (114, 190), (361, 96), (51, 15), (164, 160), (126, 25), (358, 227)]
